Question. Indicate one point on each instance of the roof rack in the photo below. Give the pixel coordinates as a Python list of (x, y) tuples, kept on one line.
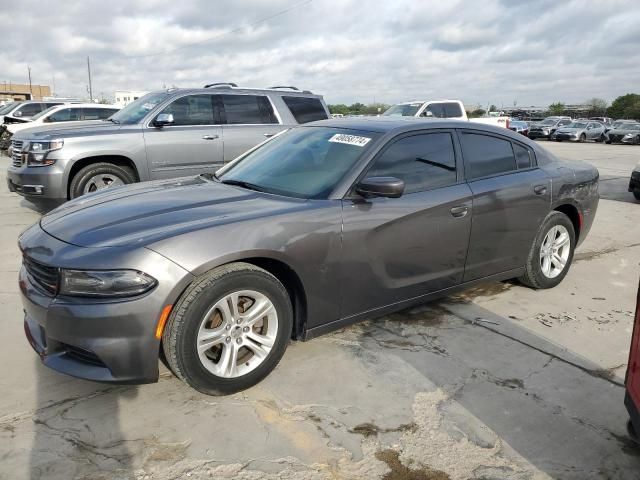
[(290, 87), (221, 85)]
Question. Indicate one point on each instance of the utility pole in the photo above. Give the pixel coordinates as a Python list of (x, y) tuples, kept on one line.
[(90, 87), (30, 87)]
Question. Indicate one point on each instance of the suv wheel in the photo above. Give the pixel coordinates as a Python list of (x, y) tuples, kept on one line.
[(551, 253), (229, 330), (99, 176)]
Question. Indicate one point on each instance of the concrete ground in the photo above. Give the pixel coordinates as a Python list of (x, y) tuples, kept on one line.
[(500, 382)]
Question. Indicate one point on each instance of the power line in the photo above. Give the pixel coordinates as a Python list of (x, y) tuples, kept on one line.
[(235, 30)]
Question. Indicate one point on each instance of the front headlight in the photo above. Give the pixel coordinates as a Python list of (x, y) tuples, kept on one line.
[(628, 135), (105, 283), (36, 152)]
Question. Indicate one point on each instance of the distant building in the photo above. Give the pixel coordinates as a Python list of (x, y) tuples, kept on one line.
[(125, 97), (20, 91)]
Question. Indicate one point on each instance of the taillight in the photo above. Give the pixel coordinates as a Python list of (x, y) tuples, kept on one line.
[(507, 123)]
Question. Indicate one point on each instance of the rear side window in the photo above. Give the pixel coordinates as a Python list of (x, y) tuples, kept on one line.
[(191, 110), (248, 109), (436, 110), (305, 109), (424, 162), (523, 156), (98, 113), (452, 109), (485, 155)]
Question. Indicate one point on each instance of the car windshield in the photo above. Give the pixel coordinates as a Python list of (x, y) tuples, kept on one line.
[(44, 112), (7, 108), (635, 126), (403, 110), (621, 124), (576, 125), (549, 122), (306, 162), (138, 109)]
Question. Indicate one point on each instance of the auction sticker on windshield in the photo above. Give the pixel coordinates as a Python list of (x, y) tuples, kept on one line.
[(350, 139)]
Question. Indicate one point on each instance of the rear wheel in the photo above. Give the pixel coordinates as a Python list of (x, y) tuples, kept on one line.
[(229, 330), (99, 176), (551, 253)]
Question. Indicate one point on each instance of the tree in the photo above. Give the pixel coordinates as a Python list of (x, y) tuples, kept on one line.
[(556, 108), (633, 111), (478, 112), (339, 108), (493, 108), (597, 107), (619, 106)]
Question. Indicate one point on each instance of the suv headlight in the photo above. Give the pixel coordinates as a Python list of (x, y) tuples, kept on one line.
[(36, 152), (105, 283), (628, 135)]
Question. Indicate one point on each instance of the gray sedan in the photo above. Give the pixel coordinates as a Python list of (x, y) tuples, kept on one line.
[(580, 132), (313, 230)]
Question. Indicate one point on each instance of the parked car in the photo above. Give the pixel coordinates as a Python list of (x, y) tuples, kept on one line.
[(519, 126), (632, 379), (69, 114), (634, 182), (451, 109), (24, 110), (624, 133), (580, 131), (165, 134), (606, 121), (547, 127), (307, 232)]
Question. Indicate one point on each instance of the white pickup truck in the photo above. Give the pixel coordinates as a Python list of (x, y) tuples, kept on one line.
[(453, 109)]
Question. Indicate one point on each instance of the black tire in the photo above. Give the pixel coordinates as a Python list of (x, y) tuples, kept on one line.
[(636, 141), (583, 138), (533, 276), (608, 142), (180, 333), (80, 179)]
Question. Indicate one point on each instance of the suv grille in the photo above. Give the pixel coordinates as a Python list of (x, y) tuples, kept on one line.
[(43, 275), (16, 154)]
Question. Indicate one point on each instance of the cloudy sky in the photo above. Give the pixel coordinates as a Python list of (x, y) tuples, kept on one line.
[(500, 52)]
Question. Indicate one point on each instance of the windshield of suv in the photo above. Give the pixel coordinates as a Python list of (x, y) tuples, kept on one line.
[(549, 122), (44, 112), (576, 125), (403, 110), (305, 162), (7, 108), (138, 109)]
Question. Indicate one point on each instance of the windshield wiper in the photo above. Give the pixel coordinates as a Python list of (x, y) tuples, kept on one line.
[(117, 122), (243, 184), (436, 164)]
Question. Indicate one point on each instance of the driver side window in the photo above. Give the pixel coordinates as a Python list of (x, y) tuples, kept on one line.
[(192, 110), (423, 162)]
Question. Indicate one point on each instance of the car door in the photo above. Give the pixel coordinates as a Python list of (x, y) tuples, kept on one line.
[(594, 131), (400, 248), (189, 146), (511, 197), (247, 121)]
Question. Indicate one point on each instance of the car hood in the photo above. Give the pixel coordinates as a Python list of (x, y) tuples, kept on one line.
[(144, 213), (569, 130), (91, 127)]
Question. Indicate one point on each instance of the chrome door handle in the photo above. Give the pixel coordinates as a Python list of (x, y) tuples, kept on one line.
[(459, 212), (209, 137), (540, 189), (268, 135)]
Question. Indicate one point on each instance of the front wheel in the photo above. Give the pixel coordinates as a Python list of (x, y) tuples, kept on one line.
[(99, 176), (551, 253), (229, 330), (583, 138)]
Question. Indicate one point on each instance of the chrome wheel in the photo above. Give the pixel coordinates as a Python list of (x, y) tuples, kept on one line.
[(102, 181), (554, 251), (237, 333)]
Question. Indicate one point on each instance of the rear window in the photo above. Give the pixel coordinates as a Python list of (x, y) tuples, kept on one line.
[(248, 109), (486, 155), (305, 109)]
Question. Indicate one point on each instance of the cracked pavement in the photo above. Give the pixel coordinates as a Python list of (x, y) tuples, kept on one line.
[(500, 382)]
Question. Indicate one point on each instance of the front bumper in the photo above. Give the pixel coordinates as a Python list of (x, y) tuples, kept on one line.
[(565, 137), (634, 181), (539, 134), (100, 340), (37, 182)]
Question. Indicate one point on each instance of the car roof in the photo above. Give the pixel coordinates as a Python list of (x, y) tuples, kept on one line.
[(224, 89), (404, 124)]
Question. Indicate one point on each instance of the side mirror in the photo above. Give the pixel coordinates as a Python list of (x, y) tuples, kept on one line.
[(17, 114), (428, 113), (390, 187), (163, 119)]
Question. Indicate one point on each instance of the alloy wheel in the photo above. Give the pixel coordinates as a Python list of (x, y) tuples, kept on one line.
[(554, 251)]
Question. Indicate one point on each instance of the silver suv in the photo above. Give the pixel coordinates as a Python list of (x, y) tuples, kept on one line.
[(165, 134)]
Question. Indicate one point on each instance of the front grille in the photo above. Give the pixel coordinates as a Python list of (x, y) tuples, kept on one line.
[(16, 153), (615, 138), (84, 356), (43, 275)]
